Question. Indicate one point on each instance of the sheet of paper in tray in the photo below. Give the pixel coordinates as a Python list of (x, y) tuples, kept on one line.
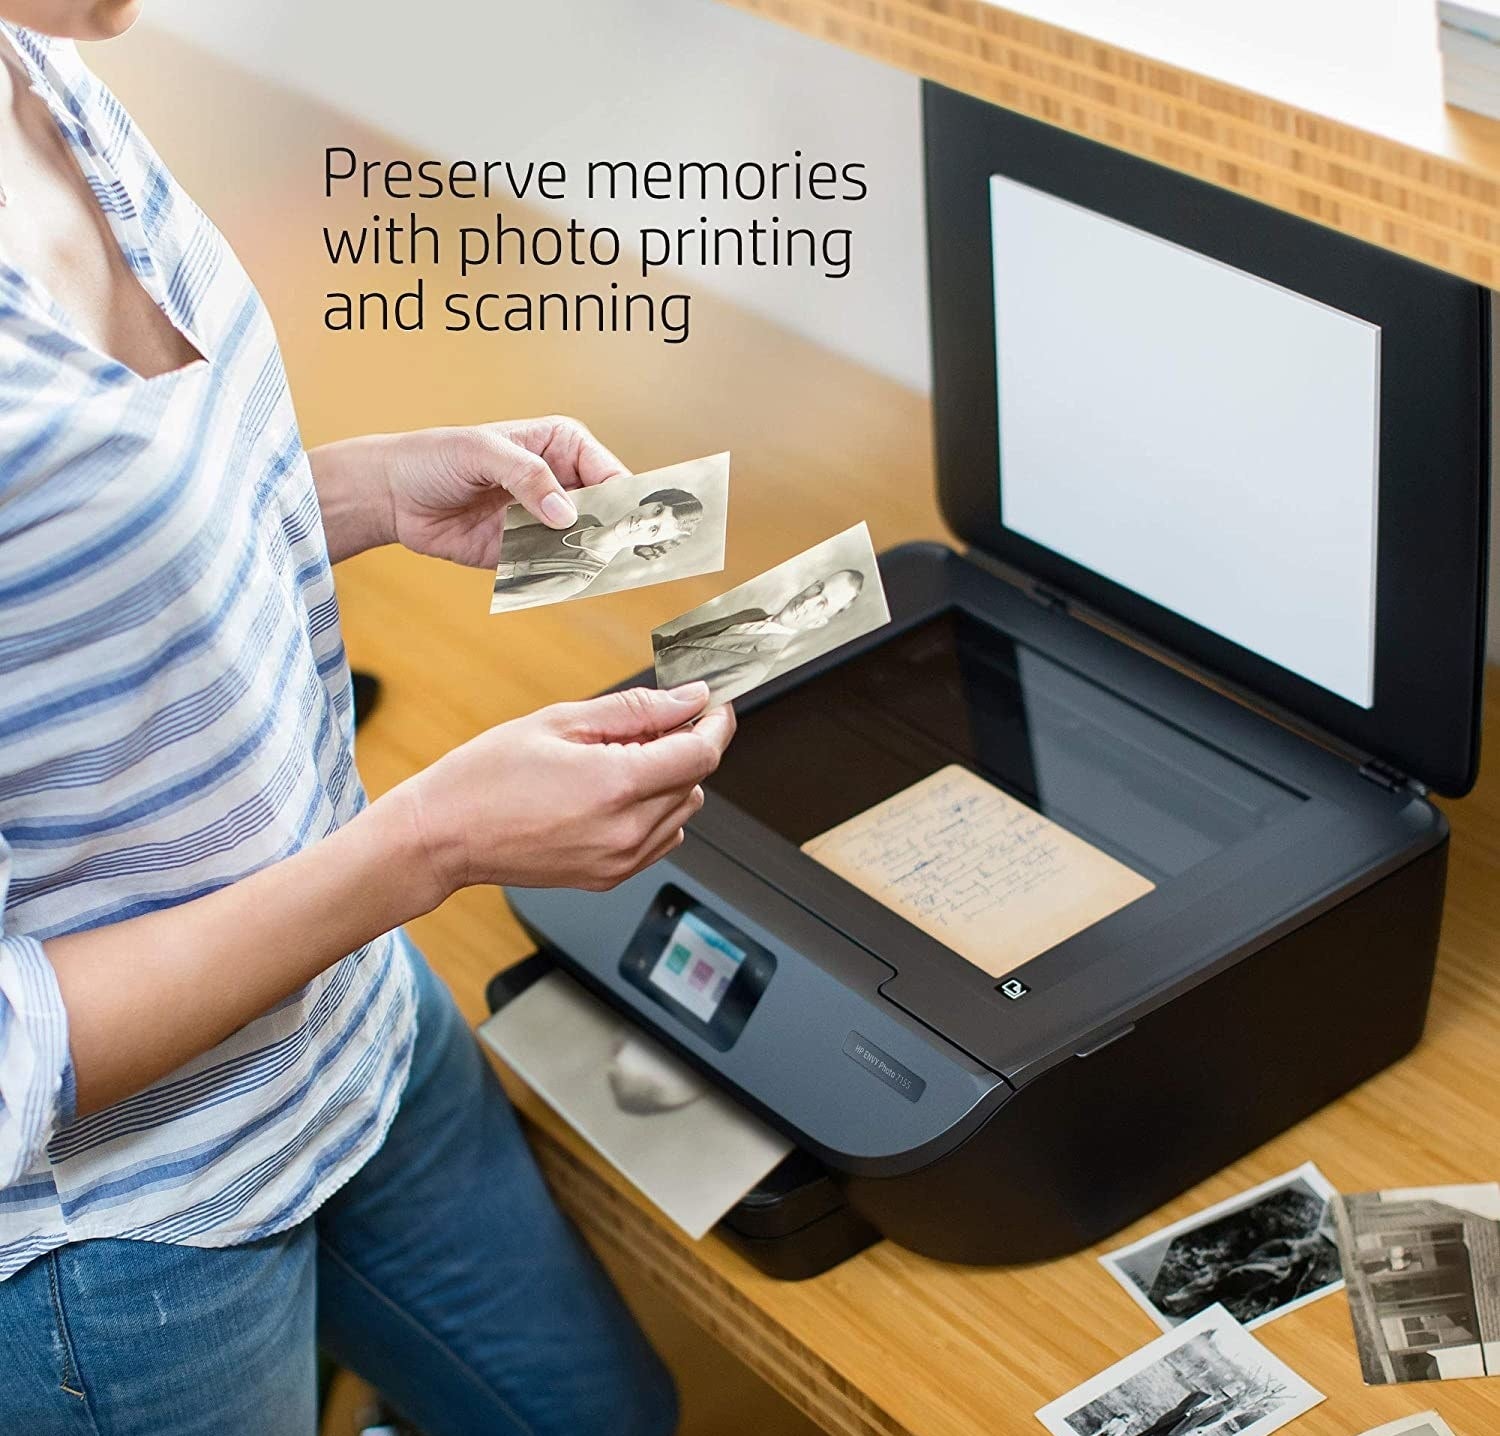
[(983, 874), (688, 1147)]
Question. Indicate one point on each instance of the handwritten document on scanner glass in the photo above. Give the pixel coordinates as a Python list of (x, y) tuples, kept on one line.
[(983, 874)]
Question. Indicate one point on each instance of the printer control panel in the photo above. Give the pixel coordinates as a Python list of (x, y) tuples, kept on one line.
[(765, 995), (699, 966)]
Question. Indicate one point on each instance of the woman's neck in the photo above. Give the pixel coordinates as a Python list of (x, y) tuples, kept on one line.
[(601, 541)]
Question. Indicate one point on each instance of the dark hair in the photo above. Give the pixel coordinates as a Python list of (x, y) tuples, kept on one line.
[(686, 508), (855, 577)]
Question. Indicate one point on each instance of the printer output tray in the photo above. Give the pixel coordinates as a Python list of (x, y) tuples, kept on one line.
[(1284, 954)]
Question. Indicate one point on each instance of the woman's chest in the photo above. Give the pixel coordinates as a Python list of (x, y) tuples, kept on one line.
[(70, 225), (145, 424), (56, 237)]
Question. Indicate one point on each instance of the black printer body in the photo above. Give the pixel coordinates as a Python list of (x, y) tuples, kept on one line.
[(1266, 772)]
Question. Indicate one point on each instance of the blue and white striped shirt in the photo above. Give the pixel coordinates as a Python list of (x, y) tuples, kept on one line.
[(174, 715)]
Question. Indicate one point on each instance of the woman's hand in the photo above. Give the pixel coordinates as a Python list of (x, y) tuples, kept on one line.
[(576, 795), (444, 492), (582, 794)]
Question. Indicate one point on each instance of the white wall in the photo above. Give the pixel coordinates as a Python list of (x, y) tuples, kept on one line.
[(576, 80)]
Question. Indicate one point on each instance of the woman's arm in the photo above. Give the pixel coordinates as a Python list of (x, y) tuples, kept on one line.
[(576, 795), (144, 996), (444, 492), (354, 494)]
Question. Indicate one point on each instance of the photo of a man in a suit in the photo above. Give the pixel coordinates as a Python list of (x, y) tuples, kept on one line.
[(741, 649)]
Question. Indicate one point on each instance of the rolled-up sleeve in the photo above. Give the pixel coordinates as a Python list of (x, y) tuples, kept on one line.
[(36, 1072)]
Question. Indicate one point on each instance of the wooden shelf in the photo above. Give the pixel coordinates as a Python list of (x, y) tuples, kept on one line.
[(1434, 202)]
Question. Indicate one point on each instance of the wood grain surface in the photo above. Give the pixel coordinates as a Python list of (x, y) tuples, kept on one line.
[(889, 1342), (1436, 202)]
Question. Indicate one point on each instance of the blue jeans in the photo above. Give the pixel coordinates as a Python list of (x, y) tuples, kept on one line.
[(442, 1273)]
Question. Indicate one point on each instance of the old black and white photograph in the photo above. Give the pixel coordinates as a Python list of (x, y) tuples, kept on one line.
[(792, 613), (1209, 1377), (688, 1147), (1260, 1255), (1424, 1423), (1422, 1274), (631, 531)]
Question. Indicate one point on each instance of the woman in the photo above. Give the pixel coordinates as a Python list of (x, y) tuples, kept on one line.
[(536, 562), (236, 1109)]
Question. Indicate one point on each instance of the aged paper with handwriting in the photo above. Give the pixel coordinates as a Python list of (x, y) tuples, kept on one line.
[(983, 874)]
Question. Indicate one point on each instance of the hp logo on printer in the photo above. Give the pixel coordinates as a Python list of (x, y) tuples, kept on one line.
[(1014, 989)]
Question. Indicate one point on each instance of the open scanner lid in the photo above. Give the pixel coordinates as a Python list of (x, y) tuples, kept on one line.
[(1257, 443)]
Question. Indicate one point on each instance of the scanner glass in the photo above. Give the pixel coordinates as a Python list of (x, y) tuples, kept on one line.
[(955, 690)]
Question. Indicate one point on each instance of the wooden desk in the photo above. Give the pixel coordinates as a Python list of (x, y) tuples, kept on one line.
[(971, 1351), (1426, 185), (889, 1342)]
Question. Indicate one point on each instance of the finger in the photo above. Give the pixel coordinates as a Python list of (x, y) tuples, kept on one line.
[(673, 763), (530, 481), (652, 813), (575, 454), (718, 726), (678, 818), (667, 834), (632, 715), (656, 854)]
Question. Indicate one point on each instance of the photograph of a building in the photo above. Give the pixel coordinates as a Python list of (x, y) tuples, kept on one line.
[(1422, 1267)]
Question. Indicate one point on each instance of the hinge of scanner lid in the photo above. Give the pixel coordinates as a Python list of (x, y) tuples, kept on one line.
[(1389, 778), (1048, 598)]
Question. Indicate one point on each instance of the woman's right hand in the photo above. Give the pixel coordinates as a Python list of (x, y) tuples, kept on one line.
[(579, 795)]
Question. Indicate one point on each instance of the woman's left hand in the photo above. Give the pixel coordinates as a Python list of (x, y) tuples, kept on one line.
[(448, 489)]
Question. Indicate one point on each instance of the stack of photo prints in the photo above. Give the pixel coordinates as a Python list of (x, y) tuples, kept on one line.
[(652, 528), (1420, 1266)]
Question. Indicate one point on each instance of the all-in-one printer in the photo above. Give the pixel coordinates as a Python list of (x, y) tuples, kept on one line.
[(1223, 478)]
